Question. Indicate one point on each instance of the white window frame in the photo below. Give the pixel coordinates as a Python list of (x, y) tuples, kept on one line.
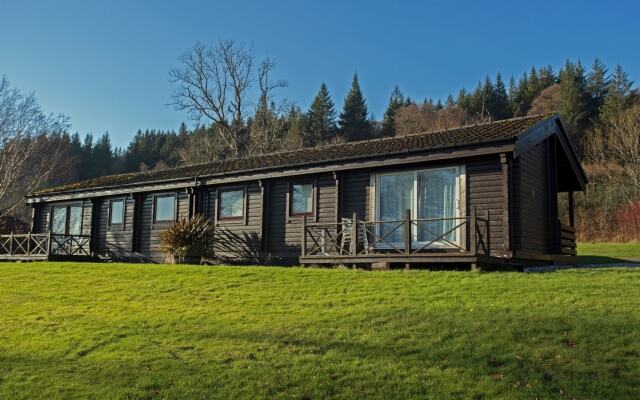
[(460, 200)]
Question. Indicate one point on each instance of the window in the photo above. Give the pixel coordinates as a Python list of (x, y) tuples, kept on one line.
[(231, 203), (67, 220), (432, 196), (301, 199), (75, 221), (59, 221), (116, 212), (164, 209)]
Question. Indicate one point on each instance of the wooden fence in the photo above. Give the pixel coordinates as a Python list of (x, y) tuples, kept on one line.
[(43, 245)]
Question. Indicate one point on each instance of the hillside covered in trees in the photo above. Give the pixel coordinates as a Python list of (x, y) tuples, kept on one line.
[(600, 107)]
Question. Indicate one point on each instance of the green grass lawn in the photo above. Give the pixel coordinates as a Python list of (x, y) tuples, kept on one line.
[(118, 331), (589, 253)]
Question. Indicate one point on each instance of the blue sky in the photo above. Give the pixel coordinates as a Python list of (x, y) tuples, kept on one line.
[(105, 63)]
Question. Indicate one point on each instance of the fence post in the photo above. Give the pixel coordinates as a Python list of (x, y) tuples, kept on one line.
[(49, 243), (11, 243), (407, 232), (472, 237), (354, 234), (304, 236), (28, 244)]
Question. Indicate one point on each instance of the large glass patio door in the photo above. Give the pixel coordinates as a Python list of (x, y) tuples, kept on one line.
[(432, 196)]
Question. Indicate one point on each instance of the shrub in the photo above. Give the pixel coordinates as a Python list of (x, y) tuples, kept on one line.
[(186, 240), (628, 220)]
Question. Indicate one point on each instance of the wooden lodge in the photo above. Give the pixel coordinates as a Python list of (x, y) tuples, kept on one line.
[(482, 194)]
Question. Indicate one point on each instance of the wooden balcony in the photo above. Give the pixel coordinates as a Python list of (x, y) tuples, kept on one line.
[(43, 246), (462, 240)]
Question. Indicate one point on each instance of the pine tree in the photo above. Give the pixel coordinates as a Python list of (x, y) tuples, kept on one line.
[(619, 94), (102, 156), (597, 87), (574, 100), (183, 130), (321, 119), (500, 108), (533, 88), (520, 103), (546, 78), (354, 123), (450, 103), (396, 100)]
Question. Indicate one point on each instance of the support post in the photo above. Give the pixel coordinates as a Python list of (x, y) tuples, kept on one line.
[(472, 234), (354, 234), (303, 244), (506, 202), (407, 232), (32, 226), (49, 242), (488, 235), (11, 243), (571, 211)]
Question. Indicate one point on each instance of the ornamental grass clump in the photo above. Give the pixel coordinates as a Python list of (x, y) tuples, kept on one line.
[(187, 240)]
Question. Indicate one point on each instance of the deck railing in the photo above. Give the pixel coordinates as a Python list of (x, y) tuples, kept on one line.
[(40, 245), (567, 239), (469, 235)]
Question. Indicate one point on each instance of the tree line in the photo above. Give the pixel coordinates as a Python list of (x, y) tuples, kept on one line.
[(234, 103)]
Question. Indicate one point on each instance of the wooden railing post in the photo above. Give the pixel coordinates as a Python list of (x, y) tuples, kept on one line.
[(11, 243), (488, 239), (303, 244), (472, 236), (354, 234), (49, 243), (407, 232), (28, 244), (572, 222)]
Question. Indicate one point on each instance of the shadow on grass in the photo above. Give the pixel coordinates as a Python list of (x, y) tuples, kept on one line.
[(594, 259)]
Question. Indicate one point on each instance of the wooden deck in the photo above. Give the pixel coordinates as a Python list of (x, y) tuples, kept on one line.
[(44, 246), (465, 240)]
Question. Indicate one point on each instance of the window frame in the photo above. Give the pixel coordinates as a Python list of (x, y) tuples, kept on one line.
[(460, 203), (124, 212), (155, 209), (313, 198), (219, 215), (67, 207)]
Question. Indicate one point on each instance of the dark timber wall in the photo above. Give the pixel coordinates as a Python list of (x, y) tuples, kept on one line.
[(535, 201), (117, 239), (284, 232), (271, 234), (149, 235), (237, 240), (485, 193)]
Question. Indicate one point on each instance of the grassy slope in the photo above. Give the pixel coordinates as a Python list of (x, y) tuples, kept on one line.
[(147, 331), (607, 252)]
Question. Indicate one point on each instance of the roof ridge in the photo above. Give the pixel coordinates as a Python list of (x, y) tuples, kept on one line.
[(333, 145)]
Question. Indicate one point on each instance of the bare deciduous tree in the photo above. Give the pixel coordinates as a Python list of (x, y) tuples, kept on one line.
[(616, 146), (201, 146), (547, 101), (28, 155), (214, 83), (268, 129), (416, 118)]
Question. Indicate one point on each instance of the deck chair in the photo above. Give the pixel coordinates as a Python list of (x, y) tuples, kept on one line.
[(347, 235)]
